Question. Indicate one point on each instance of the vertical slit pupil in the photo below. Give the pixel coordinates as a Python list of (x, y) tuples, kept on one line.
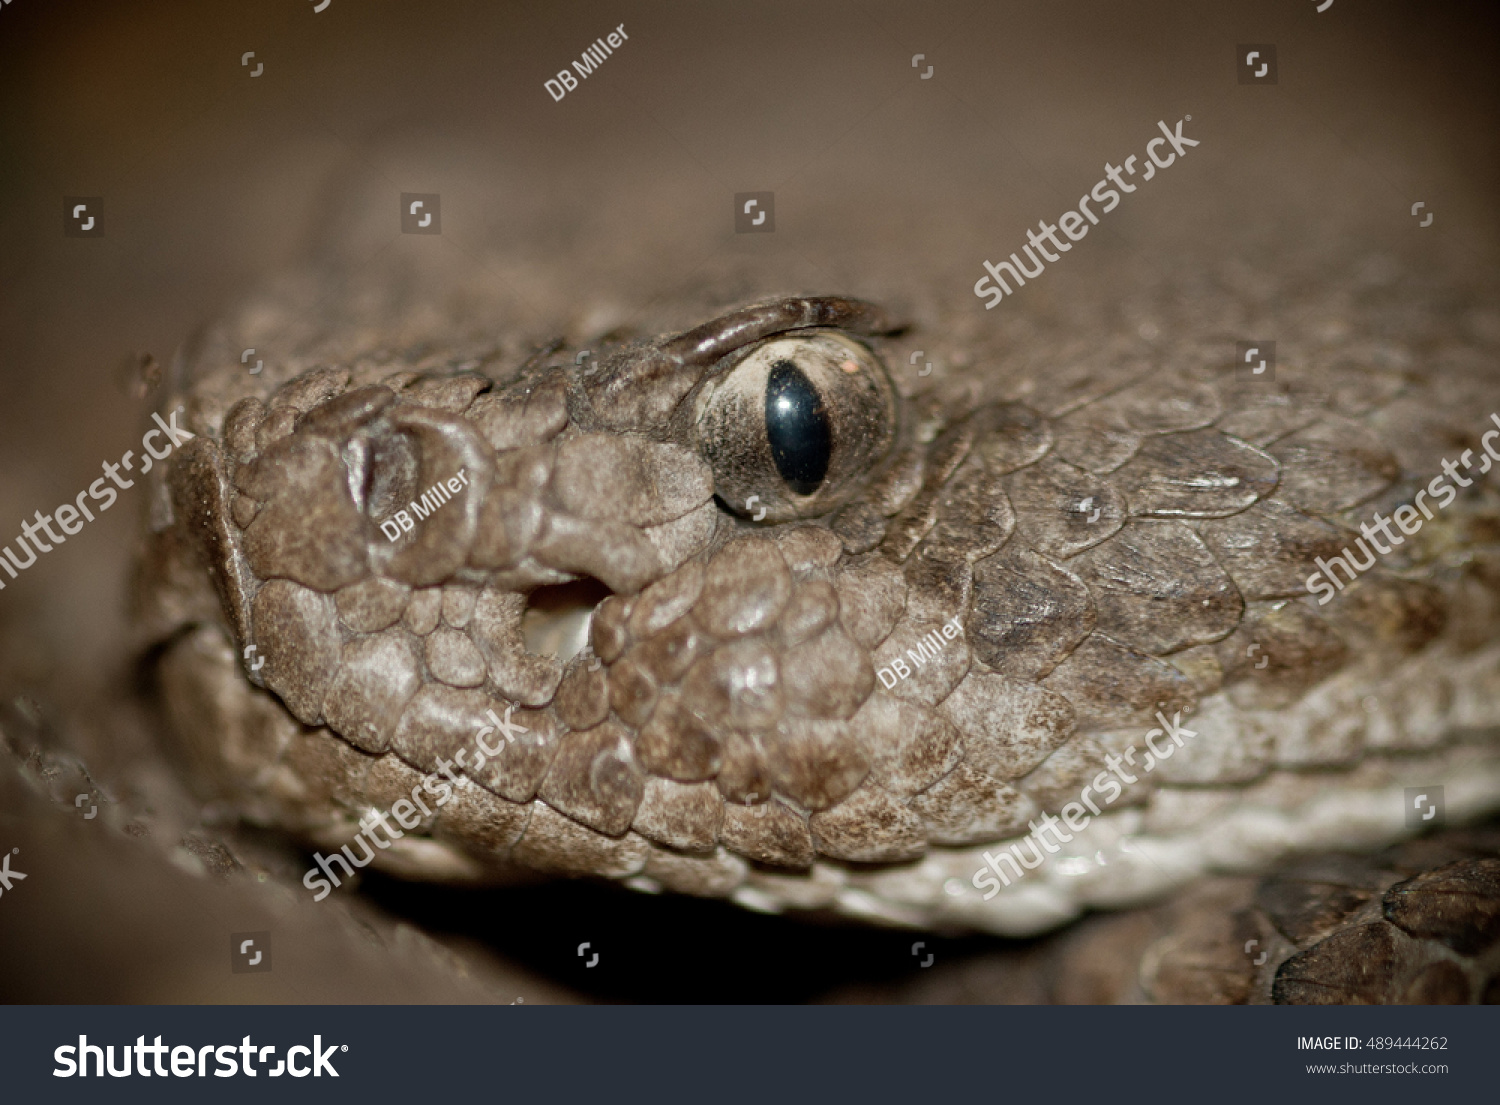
[(797, 428)]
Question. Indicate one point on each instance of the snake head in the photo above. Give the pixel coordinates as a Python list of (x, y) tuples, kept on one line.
[(413, 554), (726, 612)]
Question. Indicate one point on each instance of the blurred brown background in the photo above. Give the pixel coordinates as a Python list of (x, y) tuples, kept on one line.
[(615, 204)]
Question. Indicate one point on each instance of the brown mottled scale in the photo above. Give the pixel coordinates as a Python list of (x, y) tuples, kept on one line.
[(1418, 924), (1111, 535)]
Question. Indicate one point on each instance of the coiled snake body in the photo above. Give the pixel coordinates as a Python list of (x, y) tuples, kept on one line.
[(768, 537)]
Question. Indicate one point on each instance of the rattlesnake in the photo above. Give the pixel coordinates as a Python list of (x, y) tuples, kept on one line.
[(766, 524)]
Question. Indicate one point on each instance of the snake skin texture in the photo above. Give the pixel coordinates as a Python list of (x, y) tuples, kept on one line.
[(1416, 924), (1112, 531)]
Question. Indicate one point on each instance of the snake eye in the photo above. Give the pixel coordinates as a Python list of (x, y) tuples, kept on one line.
[(793, 423), (797, 428)]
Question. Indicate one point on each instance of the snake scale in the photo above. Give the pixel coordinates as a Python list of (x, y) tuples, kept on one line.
[(691, 570)]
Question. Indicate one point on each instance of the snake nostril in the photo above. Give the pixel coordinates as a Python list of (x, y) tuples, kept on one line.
[(556, 619), (386, 468)]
